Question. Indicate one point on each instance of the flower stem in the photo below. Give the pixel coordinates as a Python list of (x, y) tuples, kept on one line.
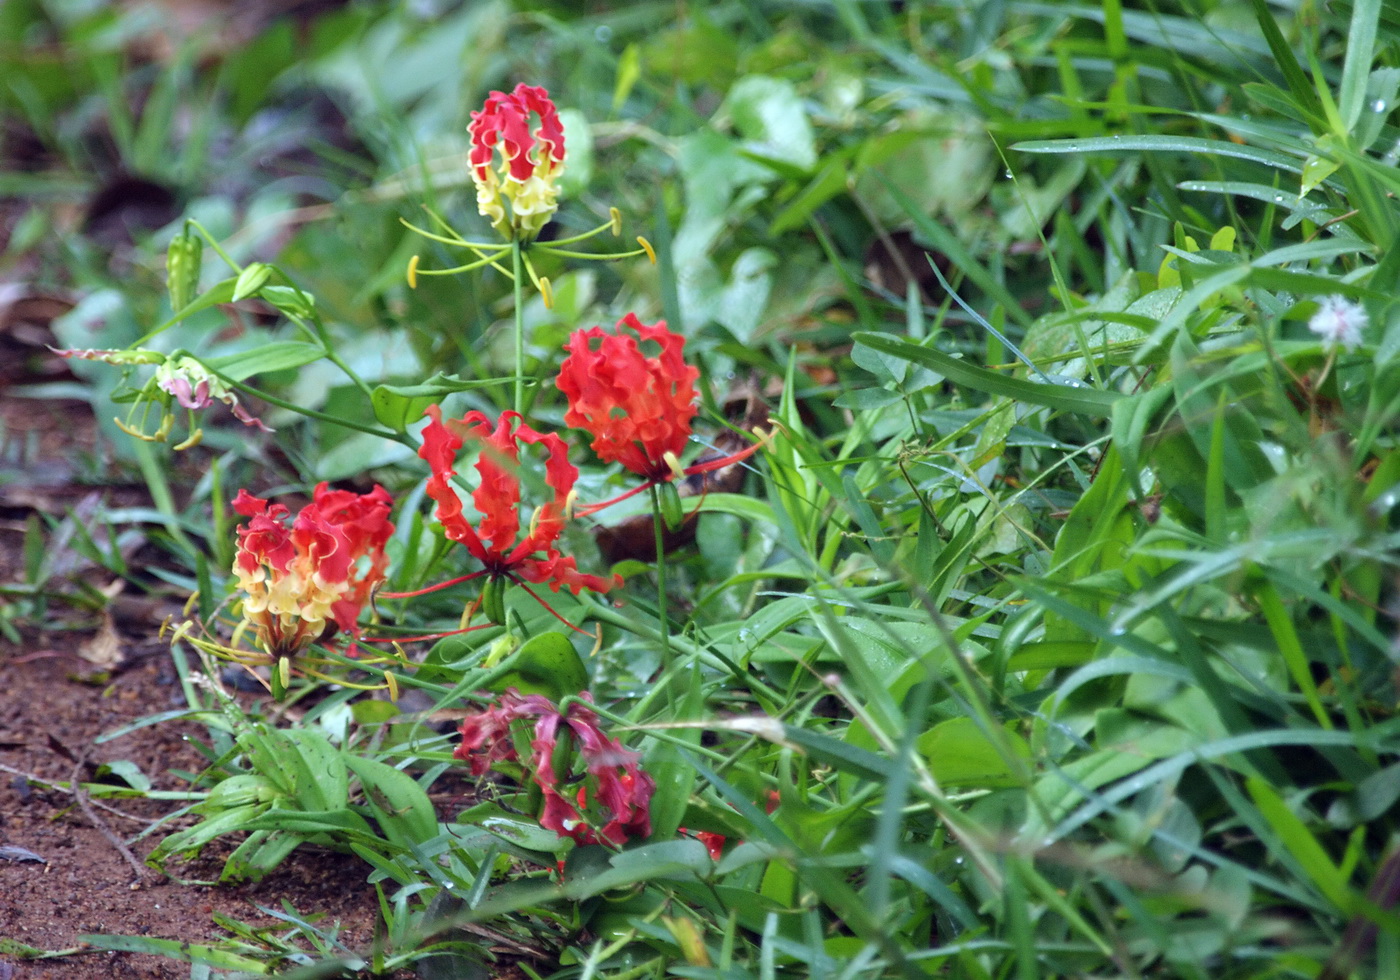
[(518, 275), (658, 525), (311, 413)]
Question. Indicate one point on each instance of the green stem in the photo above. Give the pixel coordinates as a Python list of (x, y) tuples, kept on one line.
[(518, 285), (658, 525), (312, 413)]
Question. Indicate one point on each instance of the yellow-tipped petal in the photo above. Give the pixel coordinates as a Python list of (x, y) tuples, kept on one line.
[(646, 247)]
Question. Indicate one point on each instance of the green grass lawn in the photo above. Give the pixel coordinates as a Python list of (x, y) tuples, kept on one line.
[(1046, 626)]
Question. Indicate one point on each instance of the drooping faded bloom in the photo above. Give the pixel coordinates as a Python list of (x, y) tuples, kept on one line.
[(530, 161), (301, 576), (637, 406), (195, 387), (183, 378), (611, 805), (496, 541), (1339, 322)]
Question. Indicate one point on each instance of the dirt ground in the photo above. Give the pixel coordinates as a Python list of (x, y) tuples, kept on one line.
[(60, 875)]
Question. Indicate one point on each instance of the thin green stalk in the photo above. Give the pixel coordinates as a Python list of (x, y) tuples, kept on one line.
[(518, 285), (313, 414), (658, 526)]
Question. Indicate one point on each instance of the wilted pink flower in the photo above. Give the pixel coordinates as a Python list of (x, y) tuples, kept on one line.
[(1339, 322), (195, 387), (530, 161), (613, 802)]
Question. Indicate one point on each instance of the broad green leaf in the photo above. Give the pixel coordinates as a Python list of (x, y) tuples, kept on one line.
[(277, 356), (400, 807), (545, 664), (960, 754), (399, 406)]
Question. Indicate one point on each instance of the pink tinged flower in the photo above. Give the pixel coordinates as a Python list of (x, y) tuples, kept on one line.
[(1339, 322), (509, 161), (612, 805), (496, 541), (195, 387), (302, 576)]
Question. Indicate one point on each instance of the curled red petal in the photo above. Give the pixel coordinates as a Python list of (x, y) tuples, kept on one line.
[(439, 451), (497, 496)]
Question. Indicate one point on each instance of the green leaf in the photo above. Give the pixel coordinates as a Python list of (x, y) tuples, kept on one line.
[(400, 807), (1356, 69), (178, 949), (960, 754), (1080, 399), (1163, 144), (1297, 845), (770, 113), (399, 406), (279, 356), (546, 664)]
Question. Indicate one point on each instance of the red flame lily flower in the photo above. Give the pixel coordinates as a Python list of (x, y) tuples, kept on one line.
[(316, 572), (496, 542), (637, 407), (530, 163), (611, 806)]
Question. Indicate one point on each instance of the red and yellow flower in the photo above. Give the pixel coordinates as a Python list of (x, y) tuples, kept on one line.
[(301, 576), (613, 802), (530, 162)]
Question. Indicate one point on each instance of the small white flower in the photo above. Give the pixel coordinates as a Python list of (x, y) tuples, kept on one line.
[(1339, 322)]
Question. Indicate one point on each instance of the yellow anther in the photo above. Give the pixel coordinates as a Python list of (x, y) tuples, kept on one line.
[(569, 502), (616, 216), (547, 293), (413, 273), (646, 247), (158, 437), (196, 437), (392, 684), (677, 471)]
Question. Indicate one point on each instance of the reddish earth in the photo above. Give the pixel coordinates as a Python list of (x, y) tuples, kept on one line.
[(77, 674)]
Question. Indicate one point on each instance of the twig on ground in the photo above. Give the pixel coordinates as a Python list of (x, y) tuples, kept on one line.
[(143, 873), (59, 787)]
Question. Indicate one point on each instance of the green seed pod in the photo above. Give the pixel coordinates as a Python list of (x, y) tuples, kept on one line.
[(493, 599), (671, 510), (182, 265)]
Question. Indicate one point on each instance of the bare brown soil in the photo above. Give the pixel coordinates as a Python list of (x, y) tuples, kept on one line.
[(77, 675), (84, 884)]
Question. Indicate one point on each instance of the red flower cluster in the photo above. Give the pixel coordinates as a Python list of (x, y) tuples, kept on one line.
[(638, 408), (613, 803), (530, 162), (321, 569), (496, 541)]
